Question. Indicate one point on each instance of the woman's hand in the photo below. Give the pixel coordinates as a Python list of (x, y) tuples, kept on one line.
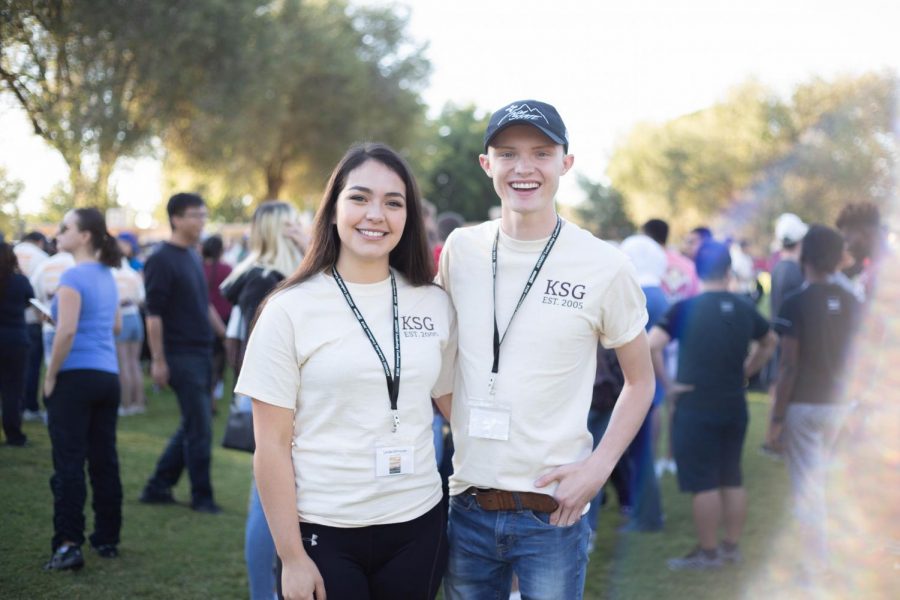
[(49, 384), (301, 580)]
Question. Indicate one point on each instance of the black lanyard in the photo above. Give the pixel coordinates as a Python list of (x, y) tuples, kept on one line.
[(393, 383), (531, 279)]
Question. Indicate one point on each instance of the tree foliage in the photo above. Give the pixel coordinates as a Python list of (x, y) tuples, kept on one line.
[(312, 78), (97, 79), (449, 173), (741, 162), (10, 190), (603, 211)]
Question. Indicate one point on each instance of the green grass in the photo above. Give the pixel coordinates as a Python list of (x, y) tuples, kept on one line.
[(172, 552)]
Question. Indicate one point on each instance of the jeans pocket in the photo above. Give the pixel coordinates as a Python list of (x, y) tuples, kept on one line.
[(543, 519), (463, 502)]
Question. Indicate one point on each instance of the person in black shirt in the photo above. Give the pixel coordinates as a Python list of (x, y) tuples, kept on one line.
[(714, 331), (15, 292), (180, 325), (817, 325)]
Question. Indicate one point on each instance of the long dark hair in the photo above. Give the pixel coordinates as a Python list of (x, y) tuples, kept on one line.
[(9, 264), (410, 257), (92, 221)]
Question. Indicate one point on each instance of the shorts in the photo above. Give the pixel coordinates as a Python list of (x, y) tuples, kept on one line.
[(132, 328), (707, 444)]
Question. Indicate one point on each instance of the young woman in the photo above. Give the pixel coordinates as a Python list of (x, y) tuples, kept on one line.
[(81, 385), (276, 244), (130, 340), (14, 294), (341, 365)]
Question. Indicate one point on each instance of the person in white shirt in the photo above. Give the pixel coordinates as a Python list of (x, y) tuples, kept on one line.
[(342, 363), (130, 340), (524, 471)]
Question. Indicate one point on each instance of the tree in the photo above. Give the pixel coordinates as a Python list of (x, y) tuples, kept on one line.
[(10, 218), (451, 177), (97, 79), (741, 162), (603, 211), (312, 79)]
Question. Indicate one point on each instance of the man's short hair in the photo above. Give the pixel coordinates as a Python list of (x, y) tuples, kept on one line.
[(823, 248), (657, 230), (180, 202), (703, 232), (35, 236), (713, 261), (859, 214)]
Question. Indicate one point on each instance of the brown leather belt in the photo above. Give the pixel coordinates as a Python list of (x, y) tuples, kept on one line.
[(491, 499)]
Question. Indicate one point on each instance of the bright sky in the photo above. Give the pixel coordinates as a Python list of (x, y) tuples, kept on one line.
[(604, 65)]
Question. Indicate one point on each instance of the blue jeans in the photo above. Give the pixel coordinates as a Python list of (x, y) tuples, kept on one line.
[(191, 445), (259, 550), (487, 547)]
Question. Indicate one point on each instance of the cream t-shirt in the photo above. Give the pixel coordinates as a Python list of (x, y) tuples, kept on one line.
[(307, 352), (587, 290)]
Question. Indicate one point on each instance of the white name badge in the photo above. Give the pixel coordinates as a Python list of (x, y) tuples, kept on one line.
[(488, 421), (394, 460)]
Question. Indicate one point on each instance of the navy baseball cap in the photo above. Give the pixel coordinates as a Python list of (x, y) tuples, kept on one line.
[(713, 260), (528, 112)]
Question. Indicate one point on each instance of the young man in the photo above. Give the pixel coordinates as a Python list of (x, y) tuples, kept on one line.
[(714, 331), (817, 325), (524, 472), (180, 324)]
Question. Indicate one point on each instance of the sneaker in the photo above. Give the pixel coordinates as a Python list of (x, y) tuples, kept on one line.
[(66, 557), (659, 467), (696, 560), (671, 467), (33, 415), (730, 553), (106, 550), (209, 507), (152, 496)]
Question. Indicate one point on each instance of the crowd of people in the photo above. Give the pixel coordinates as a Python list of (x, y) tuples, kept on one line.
[(386, 339)]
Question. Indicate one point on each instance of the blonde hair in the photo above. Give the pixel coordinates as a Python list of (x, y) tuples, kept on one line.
[(269, 247)]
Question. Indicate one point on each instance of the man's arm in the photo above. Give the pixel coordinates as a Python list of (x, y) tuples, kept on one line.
[(762, 350), (579, 482), (784, 389), (159, 369), (215, 321)]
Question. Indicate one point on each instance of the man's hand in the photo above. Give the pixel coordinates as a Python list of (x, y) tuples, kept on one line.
[(578, 484), (775, 437), (301, 580), (159, 371)]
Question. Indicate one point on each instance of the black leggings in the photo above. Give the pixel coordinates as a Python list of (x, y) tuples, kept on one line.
[(397, 561)]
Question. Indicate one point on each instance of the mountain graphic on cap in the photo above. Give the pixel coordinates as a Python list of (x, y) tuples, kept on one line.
[(516, 112)]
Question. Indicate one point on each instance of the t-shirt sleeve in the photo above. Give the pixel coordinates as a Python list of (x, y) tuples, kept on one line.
[(623, 310), (786, 321), (443, 275), (760, 325), (70, 279), (271, 369), (444, 383), (158, 283), (671, 321)]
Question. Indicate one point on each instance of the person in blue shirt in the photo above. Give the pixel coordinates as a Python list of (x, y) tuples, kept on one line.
[(81, 385)]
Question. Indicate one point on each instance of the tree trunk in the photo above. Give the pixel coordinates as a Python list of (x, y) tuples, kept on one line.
[(274, 179)]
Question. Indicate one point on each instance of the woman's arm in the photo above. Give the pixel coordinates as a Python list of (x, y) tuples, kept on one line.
[(273, 427), (68, 311)]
